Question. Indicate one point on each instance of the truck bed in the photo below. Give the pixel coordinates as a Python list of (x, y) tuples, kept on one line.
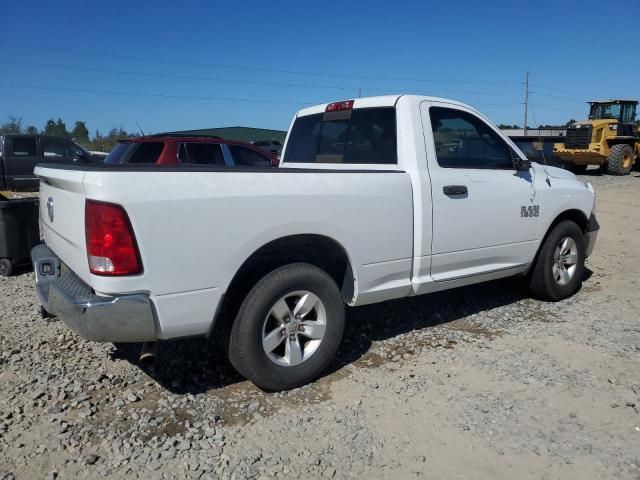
[(196, 225)]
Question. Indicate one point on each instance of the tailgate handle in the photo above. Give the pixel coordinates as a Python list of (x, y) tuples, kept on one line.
[(455, 190)]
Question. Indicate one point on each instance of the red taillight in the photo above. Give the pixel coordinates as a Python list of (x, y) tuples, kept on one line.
[(337, 106), (111, 245)]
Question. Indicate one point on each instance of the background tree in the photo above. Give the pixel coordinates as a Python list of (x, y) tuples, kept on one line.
[(80, 133), (105, 143), (570, 122), (12, 125), (56, 128), (111, 139)]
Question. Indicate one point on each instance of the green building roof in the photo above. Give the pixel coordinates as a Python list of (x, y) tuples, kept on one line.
[(244, 134)]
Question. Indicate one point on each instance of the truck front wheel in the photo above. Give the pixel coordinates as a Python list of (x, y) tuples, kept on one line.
[(620, 160), (558, 269), (288, 328)]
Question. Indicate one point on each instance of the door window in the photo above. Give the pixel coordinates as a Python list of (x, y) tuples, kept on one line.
[(23, 147), (201, 153), (57, 149), (246, 156), (463, 140), (147, 152)]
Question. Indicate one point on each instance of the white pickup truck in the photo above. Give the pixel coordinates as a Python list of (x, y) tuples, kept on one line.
[(377, 198)]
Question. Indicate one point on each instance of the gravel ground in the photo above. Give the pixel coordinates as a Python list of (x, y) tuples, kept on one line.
[(479, 382)]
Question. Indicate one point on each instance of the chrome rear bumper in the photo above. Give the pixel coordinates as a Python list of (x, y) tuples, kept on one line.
[(119, 318)]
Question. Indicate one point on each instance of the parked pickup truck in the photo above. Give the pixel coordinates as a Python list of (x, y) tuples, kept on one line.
[(20, 153), (377, 198)]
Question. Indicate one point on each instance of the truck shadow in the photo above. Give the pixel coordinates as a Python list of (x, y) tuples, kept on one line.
[(192, 366)]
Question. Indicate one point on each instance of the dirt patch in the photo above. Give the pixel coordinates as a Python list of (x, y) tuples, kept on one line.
[(474, 329), (244, 403)]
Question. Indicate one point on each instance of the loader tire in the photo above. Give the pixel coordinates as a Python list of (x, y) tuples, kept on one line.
[(620, 160)]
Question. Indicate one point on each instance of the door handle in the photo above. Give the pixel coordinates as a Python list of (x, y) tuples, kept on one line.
[(455, 190)]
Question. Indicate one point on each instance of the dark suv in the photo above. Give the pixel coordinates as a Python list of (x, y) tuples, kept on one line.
[(171, 150), (20, 153)]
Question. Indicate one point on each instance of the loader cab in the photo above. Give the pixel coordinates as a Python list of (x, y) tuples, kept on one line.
[(623, 112)]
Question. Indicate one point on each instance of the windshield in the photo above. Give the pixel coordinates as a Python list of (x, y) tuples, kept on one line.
[(604, 110)]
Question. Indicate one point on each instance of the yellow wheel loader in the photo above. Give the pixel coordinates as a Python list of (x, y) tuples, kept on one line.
[(609, 139)]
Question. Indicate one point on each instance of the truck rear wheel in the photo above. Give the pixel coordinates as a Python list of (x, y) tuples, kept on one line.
[(559, 266), (620, 160), (288, 328)]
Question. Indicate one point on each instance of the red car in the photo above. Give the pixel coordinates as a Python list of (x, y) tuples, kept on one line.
[(172, 150)]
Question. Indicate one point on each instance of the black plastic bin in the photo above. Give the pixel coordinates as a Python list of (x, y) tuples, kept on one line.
[(19, 232)]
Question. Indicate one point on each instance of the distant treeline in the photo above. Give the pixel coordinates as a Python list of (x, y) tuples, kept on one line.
[(79, 133), (549, 127)]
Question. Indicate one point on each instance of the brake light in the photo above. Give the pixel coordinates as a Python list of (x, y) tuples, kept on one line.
[(111, 244), (338, 106)]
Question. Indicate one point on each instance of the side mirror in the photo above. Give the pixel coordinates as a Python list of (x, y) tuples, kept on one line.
[(522, 165), (80, 156)]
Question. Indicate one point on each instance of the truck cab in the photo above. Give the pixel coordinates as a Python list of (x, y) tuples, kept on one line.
[(20, 153)]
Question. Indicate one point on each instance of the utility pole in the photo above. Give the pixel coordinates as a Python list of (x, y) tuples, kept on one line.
[(526, 102)]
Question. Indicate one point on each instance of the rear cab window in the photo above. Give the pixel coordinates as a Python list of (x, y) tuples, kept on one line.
[(23, 147), (358, 136)]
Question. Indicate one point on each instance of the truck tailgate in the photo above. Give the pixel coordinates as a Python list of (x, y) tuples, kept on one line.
[(62, 201)]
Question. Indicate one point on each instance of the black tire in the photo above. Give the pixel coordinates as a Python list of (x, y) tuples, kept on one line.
[(620, 160), (246, 352), (604, 167), (542, 281), (575, 168), (6, 267)]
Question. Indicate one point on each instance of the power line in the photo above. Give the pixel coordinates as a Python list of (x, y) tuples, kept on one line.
[(573, 92), (561, 97), (263, 69), (183, 77), (243, 82), (545, 107), (158, 95), (496, 104), (190, 97)]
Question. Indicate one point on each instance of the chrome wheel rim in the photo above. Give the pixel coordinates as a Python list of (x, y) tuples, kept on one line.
[(565, 261), (294, 328)]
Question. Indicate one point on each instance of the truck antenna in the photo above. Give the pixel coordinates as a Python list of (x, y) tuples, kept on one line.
[(140, 128)]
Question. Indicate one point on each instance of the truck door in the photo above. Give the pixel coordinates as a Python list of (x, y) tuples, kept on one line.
[(21, 159), (485, 213)]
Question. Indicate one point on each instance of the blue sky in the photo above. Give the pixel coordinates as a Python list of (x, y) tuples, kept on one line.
[(59, 58)]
